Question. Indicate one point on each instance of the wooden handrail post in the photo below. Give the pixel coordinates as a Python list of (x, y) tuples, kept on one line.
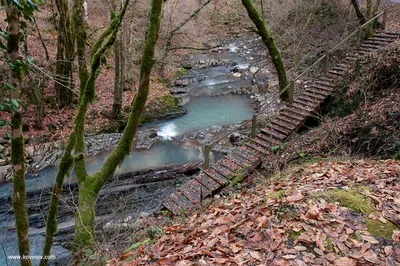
[(326, 62), (253, 126), (291, 91), (359, 36), (384, 18), (206, 153)]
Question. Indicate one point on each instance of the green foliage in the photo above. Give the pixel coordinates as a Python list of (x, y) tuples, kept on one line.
[(352, 199), (137, 244), (181, 71)]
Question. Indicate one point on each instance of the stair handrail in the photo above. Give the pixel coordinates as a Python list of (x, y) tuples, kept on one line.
[(291, 85)]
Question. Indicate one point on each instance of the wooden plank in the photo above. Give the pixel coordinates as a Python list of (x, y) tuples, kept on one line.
[(230, 165), (181, 200), (246, 153), (190, 193), (172, 206), (216, 176), (239, 160), (200, 190), (220, 169), (208, 182)]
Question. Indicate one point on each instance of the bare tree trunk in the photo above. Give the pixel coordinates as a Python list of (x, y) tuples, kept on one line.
[(266, 36), (175, 30), (65, 55), (359, 14), (17, 140)]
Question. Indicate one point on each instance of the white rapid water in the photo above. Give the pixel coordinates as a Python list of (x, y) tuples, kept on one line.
[(168, 131)]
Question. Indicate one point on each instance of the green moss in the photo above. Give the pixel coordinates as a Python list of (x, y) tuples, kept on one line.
[(293, 235), (180, 72), (352, 199), (377, 228), (159, 107), (275, 195), (329, 244), (348, 198)]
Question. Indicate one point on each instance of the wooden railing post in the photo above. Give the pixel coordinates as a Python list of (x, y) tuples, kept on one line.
[(206, 153), (384, 18), (291, 91), (253, 126), (326, 62), (359, 36)]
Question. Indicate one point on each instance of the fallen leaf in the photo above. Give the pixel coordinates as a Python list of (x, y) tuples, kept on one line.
[(388, 251), (345, 261), (295, 197), (256, 255), (312, 212), (396, 235)]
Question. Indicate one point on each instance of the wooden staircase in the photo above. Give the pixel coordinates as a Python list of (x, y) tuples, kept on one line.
[(247, 157)]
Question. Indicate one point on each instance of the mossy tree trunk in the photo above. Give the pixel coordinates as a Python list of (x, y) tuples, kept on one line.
[(90, 186), (73, 154), (17, 140), (65, 55), (372, 8), (266, 37), (119, 74)]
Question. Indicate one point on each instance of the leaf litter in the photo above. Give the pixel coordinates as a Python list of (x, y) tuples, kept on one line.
[(299, 228)]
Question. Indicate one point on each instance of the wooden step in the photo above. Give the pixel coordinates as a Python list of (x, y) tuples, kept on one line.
[(370, 46), (260, 141), (327, 79), (192, 193), (309, 104), (310, 101), (211, 172), (337, 73), (340, 69), (292, 118), (323, 87), (271, 133), (393, 33), (321, 83), (377, 43), (172, 206), (197, 189), (283, 124), (388, 35), (221, 170), (207, 181), (303, 107), (181, 200), (229, 165), (296, 112), (244, 163), (317, 97), (267, 140), (366, 50), (281, 129), (377, 38), (315, 91), (253, 145), (246, 153)]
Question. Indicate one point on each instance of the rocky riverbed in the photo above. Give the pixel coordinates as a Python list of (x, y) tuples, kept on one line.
[(220, 89)]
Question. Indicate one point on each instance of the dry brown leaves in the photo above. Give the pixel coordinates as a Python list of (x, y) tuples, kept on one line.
[(252, 229)]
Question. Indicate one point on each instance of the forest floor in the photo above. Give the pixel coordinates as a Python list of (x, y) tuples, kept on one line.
[(333, 212), (327, 196)]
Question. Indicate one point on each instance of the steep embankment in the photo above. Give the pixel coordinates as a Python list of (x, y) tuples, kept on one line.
[(336, 202)]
